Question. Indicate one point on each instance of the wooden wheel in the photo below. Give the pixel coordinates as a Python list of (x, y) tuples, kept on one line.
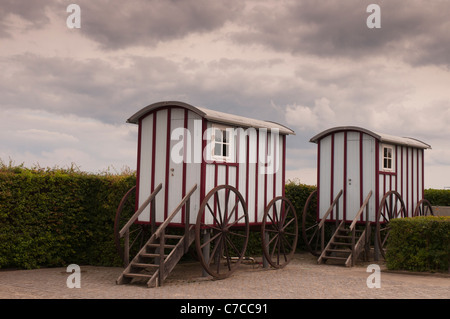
[(138, 232), (222, 229), (310, 229), (279, 232), (423, 208), (391, 206)]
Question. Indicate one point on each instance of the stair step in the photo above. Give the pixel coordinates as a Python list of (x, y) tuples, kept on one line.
[(135, 275), (158, 245), (335, 258), (144, 265), (148, 255), (173, 236), (337, 243), (346, 251), (343, 236)]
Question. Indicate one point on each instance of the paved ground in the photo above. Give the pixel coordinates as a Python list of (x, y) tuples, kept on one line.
[(302, 278)]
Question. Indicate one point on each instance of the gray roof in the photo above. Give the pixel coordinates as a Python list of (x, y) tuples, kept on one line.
[(384, 138), (213, 116)]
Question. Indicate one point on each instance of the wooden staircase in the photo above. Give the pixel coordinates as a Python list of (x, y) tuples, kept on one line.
[(161, 253), (156, 259), (344, 247), (347, 243)]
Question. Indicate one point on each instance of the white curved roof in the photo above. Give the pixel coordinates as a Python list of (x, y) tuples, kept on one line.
[(214, 116), (384, 138)]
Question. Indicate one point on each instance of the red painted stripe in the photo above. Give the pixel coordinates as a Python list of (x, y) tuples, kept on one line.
[(266, 168), (256, 176), (344, 213), (417, 178), (377, 176), (247, 161), (332, 174), (407, 180), (402, 172), (166, 182), (203, 165), (361, 171), (138, 165), (153, 151), (318, 180), (183, 190), (423, 174), (283, 177), (275, 170)]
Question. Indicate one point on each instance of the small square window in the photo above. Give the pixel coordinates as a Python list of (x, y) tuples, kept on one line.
[(222, 143)]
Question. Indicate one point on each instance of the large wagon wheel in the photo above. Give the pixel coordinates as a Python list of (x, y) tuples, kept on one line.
[(137, 232), (224, 219), (391, 206), (423, 208), (279, 232), (310, 226), (311, 234)]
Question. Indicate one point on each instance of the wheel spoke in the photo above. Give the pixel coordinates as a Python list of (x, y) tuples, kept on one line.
[(234, 247), (288, 223), (235, 222), (236, 234), (213, 215), (216, 198), (210, 240)]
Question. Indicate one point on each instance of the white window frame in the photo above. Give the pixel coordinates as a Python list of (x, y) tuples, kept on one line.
[(228, 158), (384, 167)]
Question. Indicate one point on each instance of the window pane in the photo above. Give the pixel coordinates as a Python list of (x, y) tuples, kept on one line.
[(217, 149), (225, 150), (218, 135)]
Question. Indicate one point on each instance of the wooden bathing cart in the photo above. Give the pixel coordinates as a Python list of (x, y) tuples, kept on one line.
[(213, 176), (364, 179)]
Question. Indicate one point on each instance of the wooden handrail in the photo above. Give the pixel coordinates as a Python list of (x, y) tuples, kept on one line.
[(330, 209), (139, 211), (366, 201), (163, 226)]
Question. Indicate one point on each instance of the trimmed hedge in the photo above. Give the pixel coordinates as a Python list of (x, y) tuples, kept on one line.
[(419, 244), (57, 217), (438, 197)]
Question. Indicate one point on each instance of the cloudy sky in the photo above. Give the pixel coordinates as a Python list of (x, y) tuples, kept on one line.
[(65, 94)]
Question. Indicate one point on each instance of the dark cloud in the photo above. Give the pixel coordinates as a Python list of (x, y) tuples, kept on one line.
[(119, 24), (416, 31), (96, 88), (33, 13)]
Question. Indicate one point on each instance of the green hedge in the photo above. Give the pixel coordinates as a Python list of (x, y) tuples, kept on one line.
[(419, 244), (57, 217), (438, 197)]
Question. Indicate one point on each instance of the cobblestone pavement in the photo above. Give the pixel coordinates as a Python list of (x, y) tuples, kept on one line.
[(302, 278)]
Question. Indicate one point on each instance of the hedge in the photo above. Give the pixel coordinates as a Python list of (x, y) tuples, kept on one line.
[(419, 244), (57, 217), (438, 197)]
